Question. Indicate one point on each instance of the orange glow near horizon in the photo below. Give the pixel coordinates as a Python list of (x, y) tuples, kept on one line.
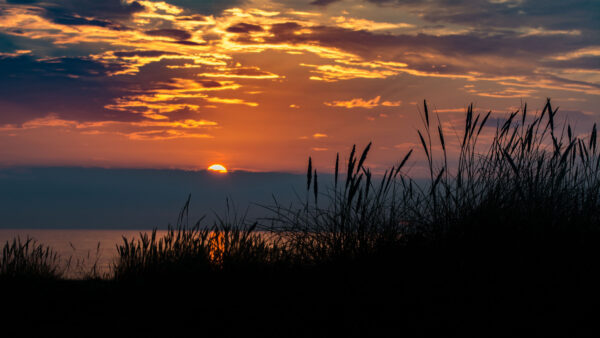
[(219, 168)]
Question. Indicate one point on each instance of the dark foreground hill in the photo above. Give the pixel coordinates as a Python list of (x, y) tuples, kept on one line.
[(419, 291)]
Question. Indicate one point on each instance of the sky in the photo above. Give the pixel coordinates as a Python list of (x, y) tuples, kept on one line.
[(260, 85)]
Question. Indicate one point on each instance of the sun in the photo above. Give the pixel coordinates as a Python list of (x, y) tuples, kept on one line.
[(219, 168)]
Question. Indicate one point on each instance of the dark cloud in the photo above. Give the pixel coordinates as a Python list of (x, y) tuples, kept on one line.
[(105, 13), (21, 2), (503, 54), (25, 66), (176, 34), (366, 43), (244, 28), (207, 7), (409, 48), (188, 43), (144, 53), (76, 88), (210, 84), (586, 62), (401, 2), (67, 19), (323, 2), (195, 17), (151, 73), (551, 14), (285, 29), (7, 43), (573, 82)]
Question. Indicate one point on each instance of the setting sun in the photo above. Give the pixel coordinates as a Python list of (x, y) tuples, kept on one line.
[(218, 168)]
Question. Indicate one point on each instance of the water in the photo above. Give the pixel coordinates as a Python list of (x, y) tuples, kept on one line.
[(84, 247)]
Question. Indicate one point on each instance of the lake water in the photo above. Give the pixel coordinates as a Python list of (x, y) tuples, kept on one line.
[(84, 247)]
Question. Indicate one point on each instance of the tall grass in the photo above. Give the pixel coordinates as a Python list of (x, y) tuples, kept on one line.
[(357, 217), (528, 183), (29, 260), (531, 177), (193, 251)]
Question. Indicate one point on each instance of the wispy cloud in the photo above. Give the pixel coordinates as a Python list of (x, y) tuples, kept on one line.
[(361, 103)]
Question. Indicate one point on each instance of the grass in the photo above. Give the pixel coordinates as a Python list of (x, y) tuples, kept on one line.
[(529, 184), (192, 251), (29, 260), (507, 222)]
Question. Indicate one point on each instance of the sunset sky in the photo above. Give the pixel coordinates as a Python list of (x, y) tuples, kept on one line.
[(261, 85)]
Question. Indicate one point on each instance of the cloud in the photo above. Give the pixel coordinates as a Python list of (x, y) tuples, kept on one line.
[(207, 7), (355, 52), (323, 2), (143, 53), (231, 101), (508, 93), (244, 28), (176, 34), (168, 134), (475, 55), (356, 103), (36, 87), (584, 62), (332, 73), (360, 103), (369, 25), (145, 130), (188, 43), (583, 52), (391, 103), (106, 13), (554, 14), (240, 73)]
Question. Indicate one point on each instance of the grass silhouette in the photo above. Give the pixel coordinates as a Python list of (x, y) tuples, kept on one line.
[(29, 260), (503, 238), (192, 251)]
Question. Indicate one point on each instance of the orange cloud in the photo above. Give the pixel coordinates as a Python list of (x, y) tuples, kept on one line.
[(143, 130), (332, 73), (231, 101), (364, 24), (166, 134), (391, 103), (355, 103), (360, 103)]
